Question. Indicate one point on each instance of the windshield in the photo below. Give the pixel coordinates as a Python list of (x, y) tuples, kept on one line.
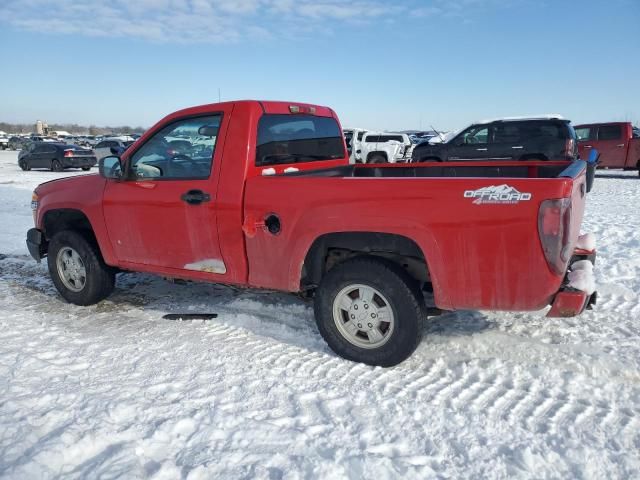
[(298, 138)]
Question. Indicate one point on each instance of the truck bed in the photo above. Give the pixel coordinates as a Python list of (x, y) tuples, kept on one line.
[(475, 247), (542, 169)]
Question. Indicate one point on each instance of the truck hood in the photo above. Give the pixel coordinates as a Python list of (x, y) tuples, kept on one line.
[(91, 182)]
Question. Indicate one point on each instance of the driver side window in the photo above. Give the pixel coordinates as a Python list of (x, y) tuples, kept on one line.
[(182, 149), (476, 135)]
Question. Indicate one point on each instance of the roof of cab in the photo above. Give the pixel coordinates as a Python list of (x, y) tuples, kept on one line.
[(267, 106)]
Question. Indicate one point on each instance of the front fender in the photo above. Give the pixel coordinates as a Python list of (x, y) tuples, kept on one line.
[(82, 194)]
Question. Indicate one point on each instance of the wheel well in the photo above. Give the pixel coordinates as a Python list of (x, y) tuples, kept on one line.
[(55, 221), (371, 154), (329, 250), (430, 159)]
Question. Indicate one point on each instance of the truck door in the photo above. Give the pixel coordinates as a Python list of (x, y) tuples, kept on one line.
[(507, 142), (611, 145), (472, 144), (163, 213)]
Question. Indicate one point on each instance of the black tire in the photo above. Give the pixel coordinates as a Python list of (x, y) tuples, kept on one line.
[(24, 165), (404, 298), (56, 165), (100, 278), (377, 159), (86, 169)]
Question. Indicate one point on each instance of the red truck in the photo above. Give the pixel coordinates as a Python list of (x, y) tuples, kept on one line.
[(618, 144), (262, 195)]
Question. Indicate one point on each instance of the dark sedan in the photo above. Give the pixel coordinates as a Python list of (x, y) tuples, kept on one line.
[(55, 157)]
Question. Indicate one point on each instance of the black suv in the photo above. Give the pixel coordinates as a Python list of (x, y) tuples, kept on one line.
[(55, 157), (549, 138)]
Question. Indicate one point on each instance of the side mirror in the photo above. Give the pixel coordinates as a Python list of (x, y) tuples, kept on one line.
[(208, 131), (110, 167)]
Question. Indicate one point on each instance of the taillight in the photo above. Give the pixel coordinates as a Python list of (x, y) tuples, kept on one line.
[(68, 153), (554, 222), (570, 148)]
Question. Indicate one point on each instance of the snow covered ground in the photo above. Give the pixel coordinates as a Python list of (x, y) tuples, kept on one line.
[(114, 390)]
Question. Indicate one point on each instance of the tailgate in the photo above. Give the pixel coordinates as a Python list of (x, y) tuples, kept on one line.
[(577, 194)]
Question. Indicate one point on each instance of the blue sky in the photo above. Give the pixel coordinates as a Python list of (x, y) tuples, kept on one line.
[(382, 65)]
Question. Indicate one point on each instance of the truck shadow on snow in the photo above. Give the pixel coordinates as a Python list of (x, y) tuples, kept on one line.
[(283, 317)]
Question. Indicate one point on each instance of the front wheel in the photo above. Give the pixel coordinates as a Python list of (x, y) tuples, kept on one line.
[(86, 169), (24, 165), (370, 310), (77, 269)]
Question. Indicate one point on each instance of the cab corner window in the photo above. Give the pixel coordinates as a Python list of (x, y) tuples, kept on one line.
[(182, 149)]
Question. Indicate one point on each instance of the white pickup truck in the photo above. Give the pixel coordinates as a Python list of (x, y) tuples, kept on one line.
[(353, 138), (4, 142), (386, 148)]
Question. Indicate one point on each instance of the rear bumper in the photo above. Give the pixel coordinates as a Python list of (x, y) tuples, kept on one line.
[(36, 244), (569, 303), (80, 162), (578, 291)]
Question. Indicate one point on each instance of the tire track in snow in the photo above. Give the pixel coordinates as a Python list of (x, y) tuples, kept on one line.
[(444, 382)]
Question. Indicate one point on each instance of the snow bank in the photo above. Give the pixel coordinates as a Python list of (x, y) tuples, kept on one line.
[(587, 242)]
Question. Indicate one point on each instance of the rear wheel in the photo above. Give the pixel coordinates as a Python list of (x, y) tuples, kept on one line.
[(77, 269), (86, 169), (56, 166), (370, 310), (377, 159)]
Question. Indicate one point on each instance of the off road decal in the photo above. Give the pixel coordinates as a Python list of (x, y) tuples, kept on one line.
[(502, 194)]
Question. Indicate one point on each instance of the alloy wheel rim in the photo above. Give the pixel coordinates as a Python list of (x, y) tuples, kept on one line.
[(71, 269), (363, 316)]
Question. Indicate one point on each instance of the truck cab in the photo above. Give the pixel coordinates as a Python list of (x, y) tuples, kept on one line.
[(617, 143)]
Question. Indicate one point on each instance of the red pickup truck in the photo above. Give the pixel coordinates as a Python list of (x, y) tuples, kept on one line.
[(261, 194), (618, 144)]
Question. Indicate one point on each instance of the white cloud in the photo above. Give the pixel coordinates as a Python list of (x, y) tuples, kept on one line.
[(207, 21)]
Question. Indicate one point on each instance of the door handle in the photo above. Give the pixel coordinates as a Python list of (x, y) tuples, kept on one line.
[(620, 145), (481, 149), (195, 197), (588, 146), (518, 148)]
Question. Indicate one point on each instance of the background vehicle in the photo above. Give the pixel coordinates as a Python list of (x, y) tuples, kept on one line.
[(542, 138), (264, 196), (103, 148), (4, 142), (616, 142), (353, 138), (386, 148), (40, 138), (55, 157), (17, 143)]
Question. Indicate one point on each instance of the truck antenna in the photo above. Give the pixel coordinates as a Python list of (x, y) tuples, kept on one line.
[(439, 134)]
